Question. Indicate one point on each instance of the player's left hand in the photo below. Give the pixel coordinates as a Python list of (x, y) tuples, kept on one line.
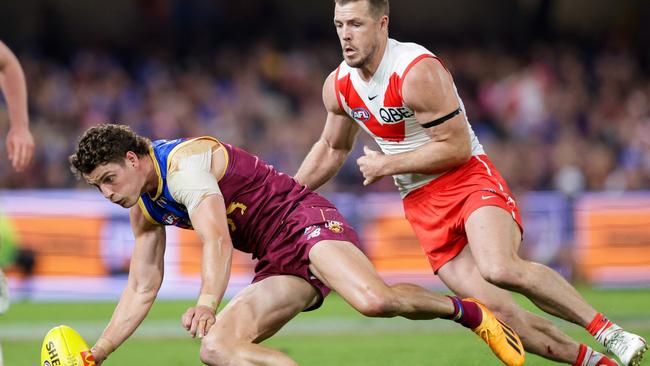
[(20, 147), (198, 320), (370, 165)]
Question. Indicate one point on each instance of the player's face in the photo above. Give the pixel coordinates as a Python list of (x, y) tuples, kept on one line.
[(120, 183), (359, 32)]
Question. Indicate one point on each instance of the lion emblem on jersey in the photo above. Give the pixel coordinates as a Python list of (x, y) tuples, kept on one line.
[(334, 226)]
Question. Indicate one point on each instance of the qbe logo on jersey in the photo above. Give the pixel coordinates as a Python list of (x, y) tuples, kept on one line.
[(361, 114), (392, 115)]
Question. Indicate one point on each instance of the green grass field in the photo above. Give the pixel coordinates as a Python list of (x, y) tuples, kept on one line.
[(333, 335)]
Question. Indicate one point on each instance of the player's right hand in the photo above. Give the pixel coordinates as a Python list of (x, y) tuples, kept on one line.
[(20, 147), (99, 354), (198, 320)]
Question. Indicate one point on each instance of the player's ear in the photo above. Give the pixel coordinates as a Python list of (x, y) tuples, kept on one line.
[(383, 22), (132, 159)]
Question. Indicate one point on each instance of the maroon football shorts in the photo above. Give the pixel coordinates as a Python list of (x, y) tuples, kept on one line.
[(288, 254)]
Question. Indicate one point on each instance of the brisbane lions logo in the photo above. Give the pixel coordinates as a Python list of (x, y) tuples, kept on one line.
[(334, 226), (361, 114)]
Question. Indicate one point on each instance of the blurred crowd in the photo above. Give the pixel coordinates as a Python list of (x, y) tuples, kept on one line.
[(553, 117)]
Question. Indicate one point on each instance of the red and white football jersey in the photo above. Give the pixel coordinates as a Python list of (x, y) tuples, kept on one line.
[(377, 106)]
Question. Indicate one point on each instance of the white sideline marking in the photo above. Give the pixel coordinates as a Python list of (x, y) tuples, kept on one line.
[(323, 326)]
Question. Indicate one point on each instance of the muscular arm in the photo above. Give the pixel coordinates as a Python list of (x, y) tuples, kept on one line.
[(335, 143), (20, 143), (210, 222), (428, 89), (192, 180), (145, 278)]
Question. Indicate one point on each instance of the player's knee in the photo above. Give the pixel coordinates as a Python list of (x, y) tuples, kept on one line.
[(507, 313), (375, 304), (502, 275), (543, 325), (216, 354)]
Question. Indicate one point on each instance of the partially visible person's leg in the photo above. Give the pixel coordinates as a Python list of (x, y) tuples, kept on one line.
[(4, 293), (494, 239), (346, 270), (4, 303), (255, 314), (539, 335)]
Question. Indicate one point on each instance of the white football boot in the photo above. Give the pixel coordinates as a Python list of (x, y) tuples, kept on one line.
[(628, 347)]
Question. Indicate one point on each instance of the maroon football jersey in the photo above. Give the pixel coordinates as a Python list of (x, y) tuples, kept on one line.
[(258, 199)]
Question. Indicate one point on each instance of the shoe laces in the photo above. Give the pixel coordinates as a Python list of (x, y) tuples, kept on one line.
[(617, 343)]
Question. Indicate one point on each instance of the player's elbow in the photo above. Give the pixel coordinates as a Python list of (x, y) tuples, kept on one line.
[(146, 289), (216, 353), (464, 155), (337, 152), (463, 152)]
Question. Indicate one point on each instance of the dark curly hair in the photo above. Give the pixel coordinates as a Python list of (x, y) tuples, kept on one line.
[(103, 144)]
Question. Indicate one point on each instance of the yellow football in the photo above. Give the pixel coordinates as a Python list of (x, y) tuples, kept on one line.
[(63, 346)]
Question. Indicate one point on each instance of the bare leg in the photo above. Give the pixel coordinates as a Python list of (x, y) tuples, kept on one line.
[(4, 303), (4, 293), (255, 314), (540, 336), (494, 239), (345, 269)]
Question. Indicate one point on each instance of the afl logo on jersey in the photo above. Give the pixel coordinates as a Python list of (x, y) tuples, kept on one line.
[(170, 219), (361, 114)]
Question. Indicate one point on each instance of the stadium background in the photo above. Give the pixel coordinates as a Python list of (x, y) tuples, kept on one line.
[(557, 91)]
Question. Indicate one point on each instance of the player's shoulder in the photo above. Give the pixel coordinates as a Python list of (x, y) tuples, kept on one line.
[(405, 54), (332, 76), (340, 72), (408, 47), (194, 146)]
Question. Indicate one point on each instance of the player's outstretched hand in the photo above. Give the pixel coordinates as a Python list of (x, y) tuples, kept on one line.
[(370, 165), (20, 148), (99, 354), (198, 320)]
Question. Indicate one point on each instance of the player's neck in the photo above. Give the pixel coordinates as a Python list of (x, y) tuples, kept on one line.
[(151, 176), (367, 71)]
